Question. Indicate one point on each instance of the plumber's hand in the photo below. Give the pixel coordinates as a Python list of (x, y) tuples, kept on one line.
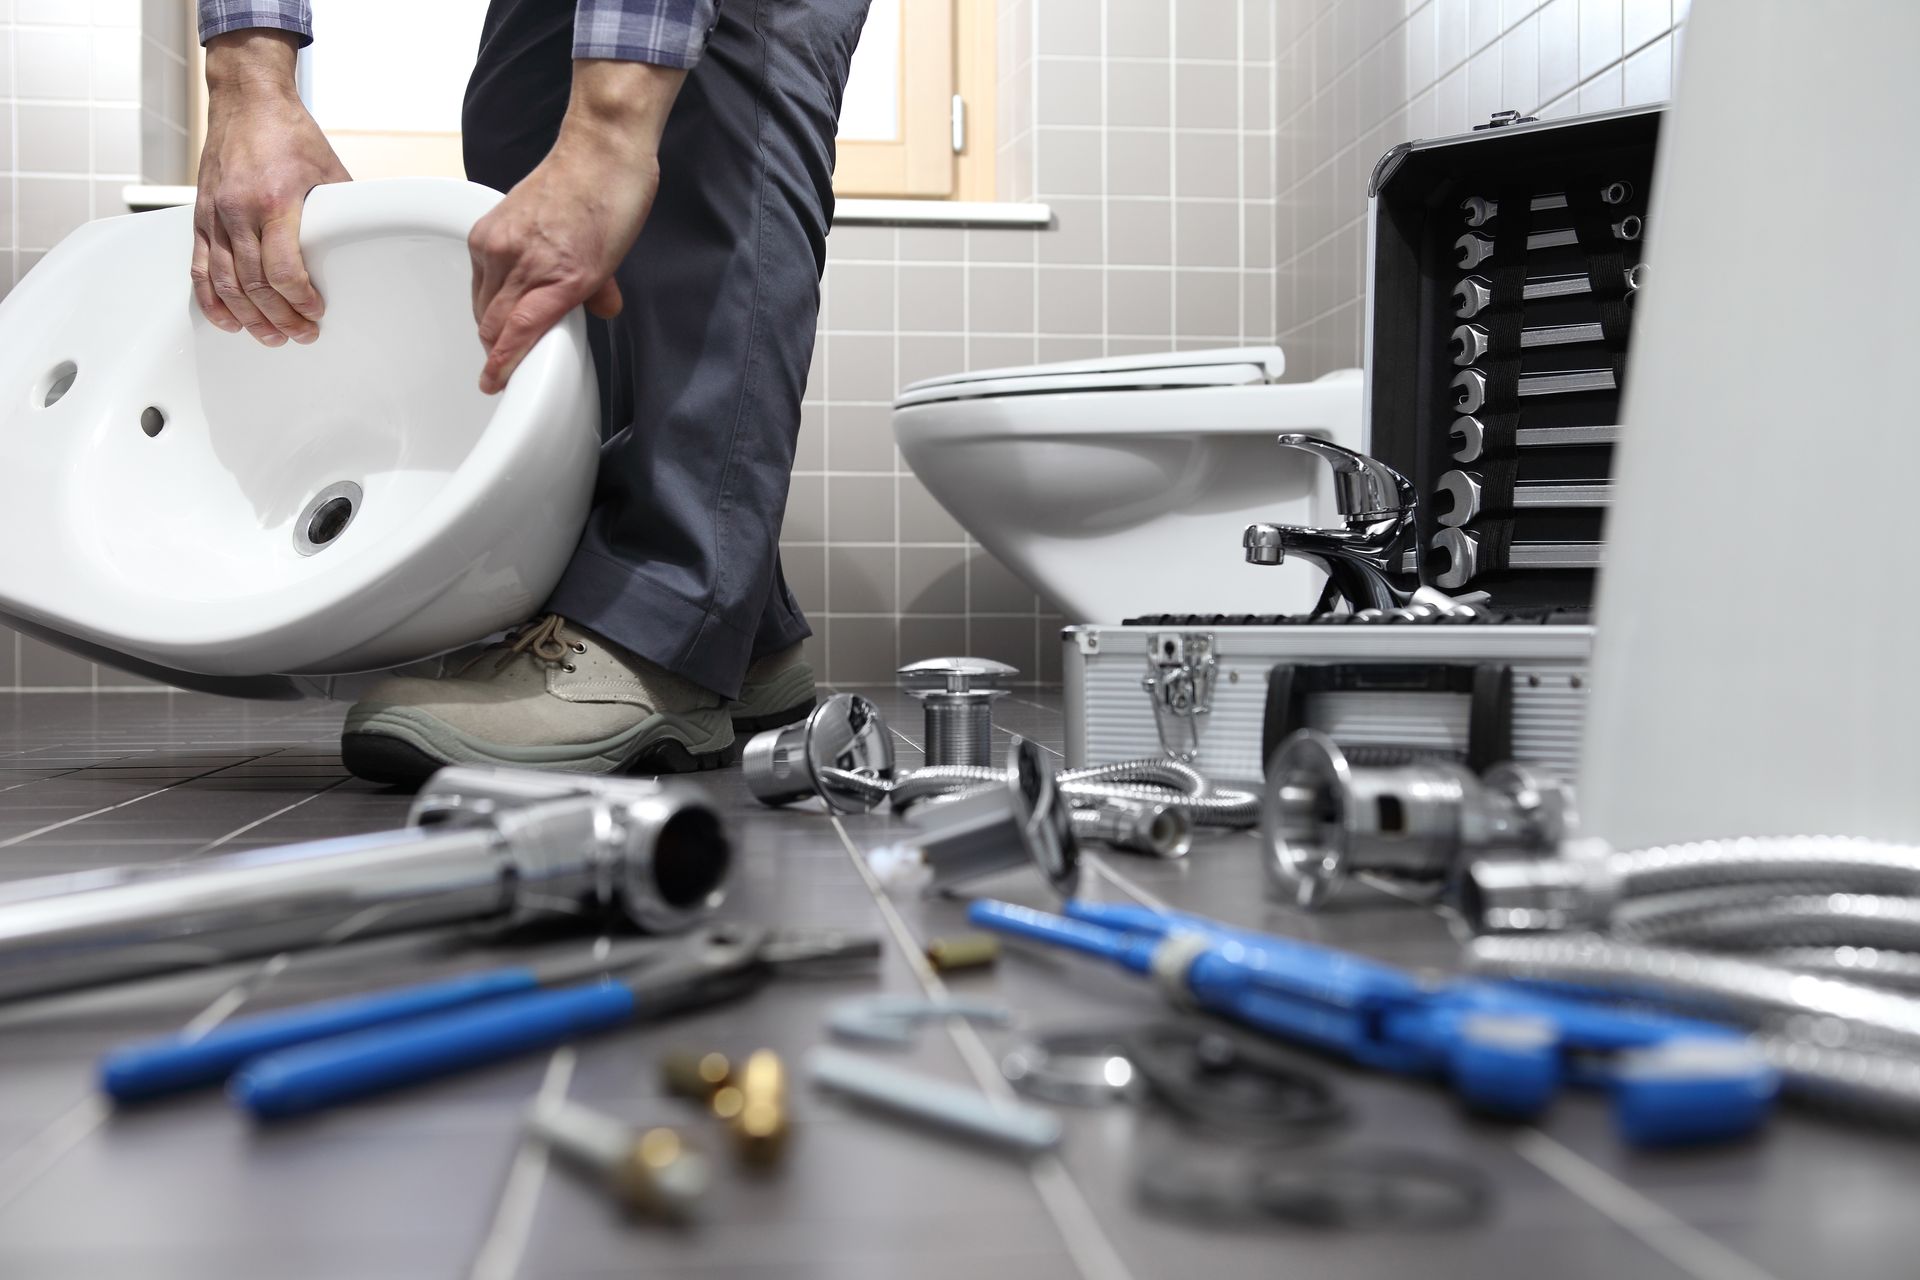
[(263, 154), (554, 241)]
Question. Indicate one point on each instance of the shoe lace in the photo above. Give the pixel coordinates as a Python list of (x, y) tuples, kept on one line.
[(542, 639)]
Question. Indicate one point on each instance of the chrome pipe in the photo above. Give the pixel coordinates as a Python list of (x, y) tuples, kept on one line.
[(654, 856)]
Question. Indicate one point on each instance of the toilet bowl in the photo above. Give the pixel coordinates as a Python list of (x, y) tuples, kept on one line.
[(191, 505), (1121, 487)]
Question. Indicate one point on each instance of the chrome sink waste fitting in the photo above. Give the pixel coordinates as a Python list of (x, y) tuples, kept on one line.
[(1363, 559), (958, 696), (843, 753), (482, 844), (1024, 820), (1153, 829), (1325, 818)]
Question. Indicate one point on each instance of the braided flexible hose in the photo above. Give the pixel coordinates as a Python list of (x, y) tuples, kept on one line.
[(1134, 781), (1748, 918)]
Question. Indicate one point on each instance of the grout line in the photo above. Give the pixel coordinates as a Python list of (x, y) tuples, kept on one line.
[(257, 822), (505, 1243), (38, 1154), (1122, 883), (10, 841), (1682, 1244), (1093, 1254)]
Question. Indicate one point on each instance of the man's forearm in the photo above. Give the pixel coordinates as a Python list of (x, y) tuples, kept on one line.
[(241, 63), (619, 108)]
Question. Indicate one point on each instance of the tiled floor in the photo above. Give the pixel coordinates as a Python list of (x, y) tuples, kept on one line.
[(432, 1182)]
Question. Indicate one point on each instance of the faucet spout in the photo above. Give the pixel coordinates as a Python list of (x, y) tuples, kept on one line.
[(1362, 559)]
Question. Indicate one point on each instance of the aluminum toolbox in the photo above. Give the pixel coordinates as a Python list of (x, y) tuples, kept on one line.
[(1512, 691), (1552, 213)]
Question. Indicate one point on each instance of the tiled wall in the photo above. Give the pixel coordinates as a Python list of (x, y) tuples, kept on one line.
[(90, 104), (1206, 160), (1355, 77), (1146, 124)]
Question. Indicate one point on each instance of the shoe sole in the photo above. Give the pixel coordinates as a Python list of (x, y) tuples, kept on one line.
[(747, 726), (393, 760)]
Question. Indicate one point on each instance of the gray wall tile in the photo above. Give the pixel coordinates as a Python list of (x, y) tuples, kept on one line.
[(931, 299), (1000, 299), (861, 651), (806, 570), (994, 588), (806, 509), (860, 508), (860, 437), (932, 638), (53, 139), (1139, 93), (933, 580), (924, 356), (861, 579), (922, 518)]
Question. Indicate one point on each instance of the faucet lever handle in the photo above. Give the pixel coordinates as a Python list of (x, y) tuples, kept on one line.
[(1362, 486)]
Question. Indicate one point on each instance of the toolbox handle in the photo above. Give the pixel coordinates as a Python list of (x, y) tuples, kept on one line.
[(1488, 684)]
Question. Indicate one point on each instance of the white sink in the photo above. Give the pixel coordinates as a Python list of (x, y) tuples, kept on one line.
[(177, 508)]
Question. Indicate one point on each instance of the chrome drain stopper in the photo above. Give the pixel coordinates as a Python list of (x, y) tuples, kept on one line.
[(958, 696)]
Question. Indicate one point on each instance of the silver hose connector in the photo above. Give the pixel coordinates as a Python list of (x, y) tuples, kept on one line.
[(957, 696), (1020, 820), (1155, 830), (487, 845), (1325, 818), (837, 753)]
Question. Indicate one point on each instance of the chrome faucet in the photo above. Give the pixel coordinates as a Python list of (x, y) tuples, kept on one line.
[(1363, 559)]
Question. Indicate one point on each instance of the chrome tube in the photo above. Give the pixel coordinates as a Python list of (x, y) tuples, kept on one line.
[(249, 904), (652, 855)]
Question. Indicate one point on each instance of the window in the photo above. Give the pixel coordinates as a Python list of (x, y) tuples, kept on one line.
[(917, 119)]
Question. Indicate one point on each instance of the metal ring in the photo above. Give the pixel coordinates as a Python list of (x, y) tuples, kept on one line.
[(1076, 1068)]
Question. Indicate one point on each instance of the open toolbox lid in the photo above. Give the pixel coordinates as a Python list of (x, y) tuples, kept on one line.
[(1416, 218), (1222, 367)]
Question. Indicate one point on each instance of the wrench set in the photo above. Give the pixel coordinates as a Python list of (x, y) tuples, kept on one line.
[(1504, 268)]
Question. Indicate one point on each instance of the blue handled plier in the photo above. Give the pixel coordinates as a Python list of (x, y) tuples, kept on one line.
[(313, 1056), (1505, 1048)]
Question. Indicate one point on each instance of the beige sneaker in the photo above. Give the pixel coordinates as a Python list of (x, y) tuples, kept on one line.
[(777, 690), (552, 696)]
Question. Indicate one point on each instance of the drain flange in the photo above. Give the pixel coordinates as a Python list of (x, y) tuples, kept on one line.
[(326, 517)]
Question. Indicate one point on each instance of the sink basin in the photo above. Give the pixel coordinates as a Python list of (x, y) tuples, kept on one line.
[(189, 504)]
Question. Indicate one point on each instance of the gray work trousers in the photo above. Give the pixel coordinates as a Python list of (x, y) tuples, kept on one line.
[(702, 373)]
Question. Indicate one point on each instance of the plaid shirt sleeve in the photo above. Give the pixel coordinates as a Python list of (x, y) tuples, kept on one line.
[(667, 33), (217, 17)]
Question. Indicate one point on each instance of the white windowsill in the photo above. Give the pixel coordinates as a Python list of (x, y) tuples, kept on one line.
[(848, 212)]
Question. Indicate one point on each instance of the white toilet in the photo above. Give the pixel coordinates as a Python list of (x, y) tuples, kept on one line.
[(1120, 487)]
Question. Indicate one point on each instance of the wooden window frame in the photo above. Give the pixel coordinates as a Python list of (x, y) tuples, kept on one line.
[(947, 48)]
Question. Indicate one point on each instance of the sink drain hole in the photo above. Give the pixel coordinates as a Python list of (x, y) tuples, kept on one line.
[(152, 421), (58, 382), (328, 521), (326, 517)]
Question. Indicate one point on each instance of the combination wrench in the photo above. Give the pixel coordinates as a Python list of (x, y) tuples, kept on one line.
[(1470, 385), (1462, 549), (1470, 341), (1478, 211), (1469, 437), (1467, 494), (1475, 293), (1475, 249)]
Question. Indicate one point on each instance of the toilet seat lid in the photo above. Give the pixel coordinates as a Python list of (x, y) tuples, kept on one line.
[(1221, 367)]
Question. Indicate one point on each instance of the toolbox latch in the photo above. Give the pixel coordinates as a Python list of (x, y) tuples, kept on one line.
[(1501, 119), (1179, 679)]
